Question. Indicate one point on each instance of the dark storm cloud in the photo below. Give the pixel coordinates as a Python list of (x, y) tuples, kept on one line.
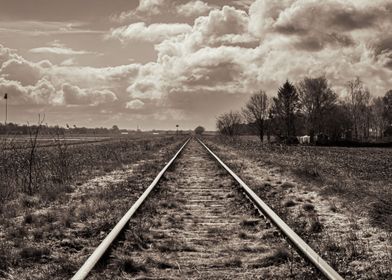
[(318, 42), (354, 19), (383, 51), (384, 44)]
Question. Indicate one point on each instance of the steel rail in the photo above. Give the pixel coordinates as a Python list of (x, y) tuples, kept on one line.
[(297, 241), (105, 244)]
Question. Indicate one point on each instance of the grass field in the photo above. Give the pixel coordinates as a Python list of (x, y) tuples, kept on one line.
[(360, 176), (77, 194), (337, 199)]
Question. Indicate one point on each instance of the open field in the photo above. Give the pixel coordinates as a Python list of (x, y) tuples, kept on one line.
[(59, 204), (76, 194), (24, 141), (338, 199)]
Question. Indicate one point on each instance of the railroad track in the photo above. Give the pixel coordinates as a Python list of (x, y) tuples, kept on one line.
[(198, 224)]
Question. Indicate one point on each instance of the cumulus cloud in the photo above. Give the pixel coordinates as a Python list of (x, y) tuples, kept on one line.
[(46, 84), (194, 8), (146, 8), (223, 57), (43, 92), (135, 104), (19, 69), (182, 10), (231, 52), (73, 95), (156, 32)]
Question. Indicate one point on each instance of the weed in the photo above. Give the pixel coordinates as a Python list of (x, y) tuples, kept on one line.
[(289, 203), (28, 219), (233, 262), (315, 226), (128, 265), (308, 207), (249, 222), (18, 232), (34, 254), (161, 263), (288, 185), (279, 256)]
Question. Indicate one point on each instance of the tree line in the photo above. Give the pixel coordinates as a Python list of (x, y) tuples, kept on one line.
[(313, 108), (25, 129)]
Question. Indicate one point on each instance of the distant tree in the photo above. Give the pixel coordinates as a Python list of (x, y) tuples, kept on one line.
[(379, 122), (199, 130), (256, 111), (358, 101), (388, 107), (115, 129), (228, 123), (317, 100), (284, 108), (338, 122)]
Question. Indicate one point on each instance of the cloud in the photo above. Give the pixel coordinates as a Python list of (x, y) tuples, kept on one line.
[(151, 33), (146, 8), (19, 69), (194, 8), (151, 10), (47, 84), (68, 62), (212, 65), (135, 104), (45, 28), (43, 92), (73, 95), (58, 50)]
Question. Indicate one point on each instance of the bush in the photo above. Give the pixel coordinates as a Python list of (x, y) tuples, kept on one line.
[(199, 130)]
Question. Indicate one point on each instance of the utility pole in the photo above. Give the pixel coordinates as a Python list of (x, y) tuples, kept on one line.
[(177, 128), (6, 107)]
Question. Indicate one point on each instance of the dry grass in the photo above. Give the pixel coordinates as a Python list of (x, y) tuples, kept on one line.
[(344, 181), (54, 229), (360, 176)]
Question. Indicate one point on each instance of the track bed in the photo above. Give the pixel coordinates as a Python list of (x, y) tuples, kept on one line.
[(197, 224)]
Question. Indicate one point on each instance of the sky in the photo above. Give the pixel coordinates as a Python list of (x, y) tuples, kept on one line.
[(158, 63)]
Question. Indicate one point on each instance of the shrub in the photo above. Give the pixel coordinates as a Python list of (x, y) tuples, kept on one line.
[(199, 130)]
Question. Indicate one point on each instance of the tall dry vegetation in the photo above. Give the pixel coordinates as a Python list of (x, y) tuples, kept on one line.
[(48, 171)]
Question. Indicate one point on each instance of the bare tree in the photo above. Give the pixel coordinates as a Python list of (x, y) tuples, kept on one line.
[(317, 100), (378, 120), (358, 101), (33, 133), (284, 108), (256, 111), (388, 107), (228, 123)]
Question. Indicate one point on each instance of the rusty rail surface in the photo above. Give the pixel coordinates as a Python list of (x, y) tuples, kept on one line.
[(297, 241), (105, 244)]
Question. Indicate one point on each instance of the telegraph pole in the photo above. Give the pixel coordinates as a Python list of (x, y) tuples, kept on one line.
[(6, 107)]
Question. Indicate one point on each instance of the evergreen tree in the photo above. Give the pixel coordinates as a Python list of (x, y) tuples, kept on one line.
[(285, 106)]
